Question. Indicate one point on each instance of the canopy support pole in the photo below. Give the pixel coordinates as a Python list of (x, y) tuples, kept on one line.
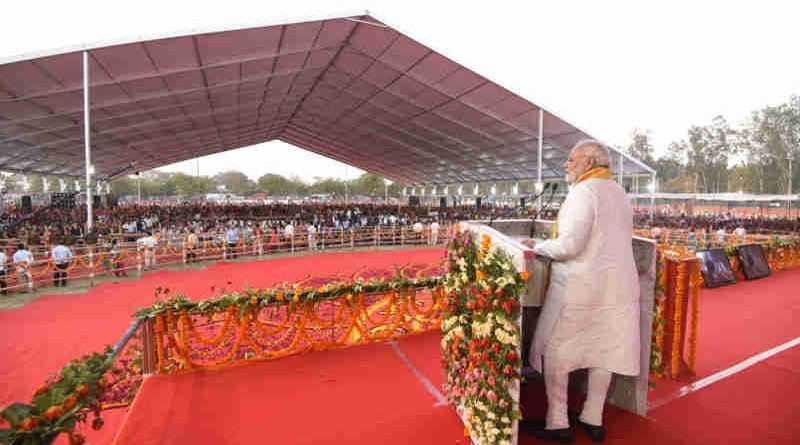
[(87, 144), (539, 184), (652, 198)]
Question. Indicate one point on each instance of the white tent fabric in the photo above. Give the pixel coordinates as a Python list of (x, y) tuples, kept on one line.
[(349, 88)]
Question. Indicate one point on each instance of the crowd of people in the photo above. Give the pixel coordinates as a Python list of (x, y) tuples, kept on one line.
[(727, 222), (40, 226)]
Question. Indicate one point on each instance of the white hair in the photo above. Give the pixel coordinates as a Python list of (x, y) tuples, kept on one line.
[(596, 151)]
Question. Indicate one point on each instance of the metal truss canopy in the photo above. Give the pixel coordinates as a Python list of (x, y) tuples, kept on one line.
[(349, 88)]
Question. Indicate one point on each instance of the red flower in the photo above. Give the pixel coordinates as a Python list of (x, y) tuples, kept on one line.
[(28, 424), (499, 292), (496, 348), (54, 412), (82, 390), (69, 402), (512, 355), (41, 390)]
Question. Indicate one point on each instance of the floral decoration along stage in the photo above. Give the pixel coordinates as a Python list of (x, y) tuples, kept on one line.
[(61, 403), (481, 337)]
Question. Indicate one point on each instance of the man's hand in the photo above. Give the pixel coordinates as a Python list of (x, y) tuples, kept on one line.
[(529, 242)]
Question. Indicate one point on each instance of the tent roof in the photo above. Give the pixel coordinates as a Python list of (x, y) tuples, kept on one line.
[(349, 88)]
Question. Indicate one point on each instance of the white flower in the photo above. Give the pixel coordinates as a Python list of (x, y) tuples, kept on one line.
[(505, 419), (491, 415), (495, 431), (507, 430), (504, 442)]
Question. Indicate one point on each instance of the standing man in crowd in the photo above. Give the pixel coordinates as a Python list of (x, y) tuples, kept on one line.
[(434, 233), (590, 318), (23, 260), (232, 238), (192, 242), (3, 261), (148, 243), (62, 258)]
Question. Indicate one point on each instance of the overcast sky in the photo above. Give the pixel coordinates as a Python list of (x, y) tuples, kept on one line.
[(607, 67)]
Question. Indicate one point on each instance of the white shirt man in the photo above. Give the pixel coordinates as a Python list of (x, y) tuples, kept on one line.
[(591, 316), (23, 259), (434, 233), (722, 235), (312, 237), (148, 244), (232, 239), (62, 257), (3, 261)]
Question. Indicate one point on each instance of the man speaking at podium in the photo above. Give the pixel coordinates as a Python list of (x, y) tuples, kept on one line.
[(590, 318)]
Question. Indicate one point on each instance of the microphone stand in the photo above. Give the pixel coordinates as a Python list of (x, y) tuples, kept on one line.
[(533, 219), (550, 198)]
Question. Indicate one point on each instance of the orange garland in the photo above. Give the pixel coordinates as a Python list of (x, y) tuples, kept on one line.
[(302, 324)]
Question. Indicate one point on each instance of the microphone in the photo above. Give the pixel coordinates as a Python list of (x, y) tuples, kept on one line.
[(546, 187), (550, 198)]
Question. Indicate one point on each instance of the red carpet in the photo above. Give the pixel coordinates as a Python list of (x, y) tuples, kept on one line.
[(740, 321), (363, 394), (43, 336)]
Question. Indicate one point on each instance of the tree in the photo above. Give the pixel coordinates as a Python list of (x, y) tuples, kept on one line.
[(368, 184), (192, 185), (277, 185), (327, 186), (640, 147), (235, 182), (124, 186)]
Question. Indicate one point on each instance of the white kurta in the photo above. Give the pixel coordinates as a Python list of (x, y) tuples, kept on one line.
[(590, 318)]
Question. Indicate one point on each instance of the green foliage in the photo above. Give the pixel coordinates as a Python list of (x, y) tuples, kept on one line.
[(277, 185), (235, 182), (60, 404), (282, 295), (368, 184)]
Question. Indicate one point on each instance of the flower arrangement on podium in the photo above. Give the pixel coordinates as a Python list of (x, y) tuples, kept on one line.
[(481, 337)]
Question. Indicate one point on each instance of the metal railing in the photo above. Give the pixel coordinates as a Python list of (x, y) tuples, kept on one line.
[(91, 262)]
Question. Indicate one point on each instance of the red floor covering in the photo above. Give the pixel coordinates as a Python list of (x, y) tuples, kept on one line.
[(755, 406), (40, 338), (740, 321), (364, 394)]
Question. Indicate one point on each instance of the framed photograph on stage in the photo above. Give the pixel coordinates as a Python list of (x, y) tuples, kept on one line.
[(754, 262), (716, 268)]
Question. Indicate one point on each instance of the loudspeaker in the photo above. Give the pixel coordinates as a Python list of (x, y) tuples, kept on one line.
[(96, 201), (413, 201), (443, 202), (64, 201), (478, 203), (26, 204), (522, 202)]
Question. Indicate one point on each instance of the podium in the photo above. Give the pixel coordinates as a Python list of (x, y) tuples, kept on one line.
[(627, 392)]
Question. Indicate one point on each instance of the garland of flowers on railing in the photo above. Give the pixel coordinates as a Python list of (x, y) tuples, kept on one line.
[(61, 403), (659, 320), (481, 337), (293, 295)]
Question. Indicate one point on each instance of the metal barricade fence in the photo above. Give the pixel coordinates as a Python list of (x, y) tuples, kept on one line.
[(90, 262)]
